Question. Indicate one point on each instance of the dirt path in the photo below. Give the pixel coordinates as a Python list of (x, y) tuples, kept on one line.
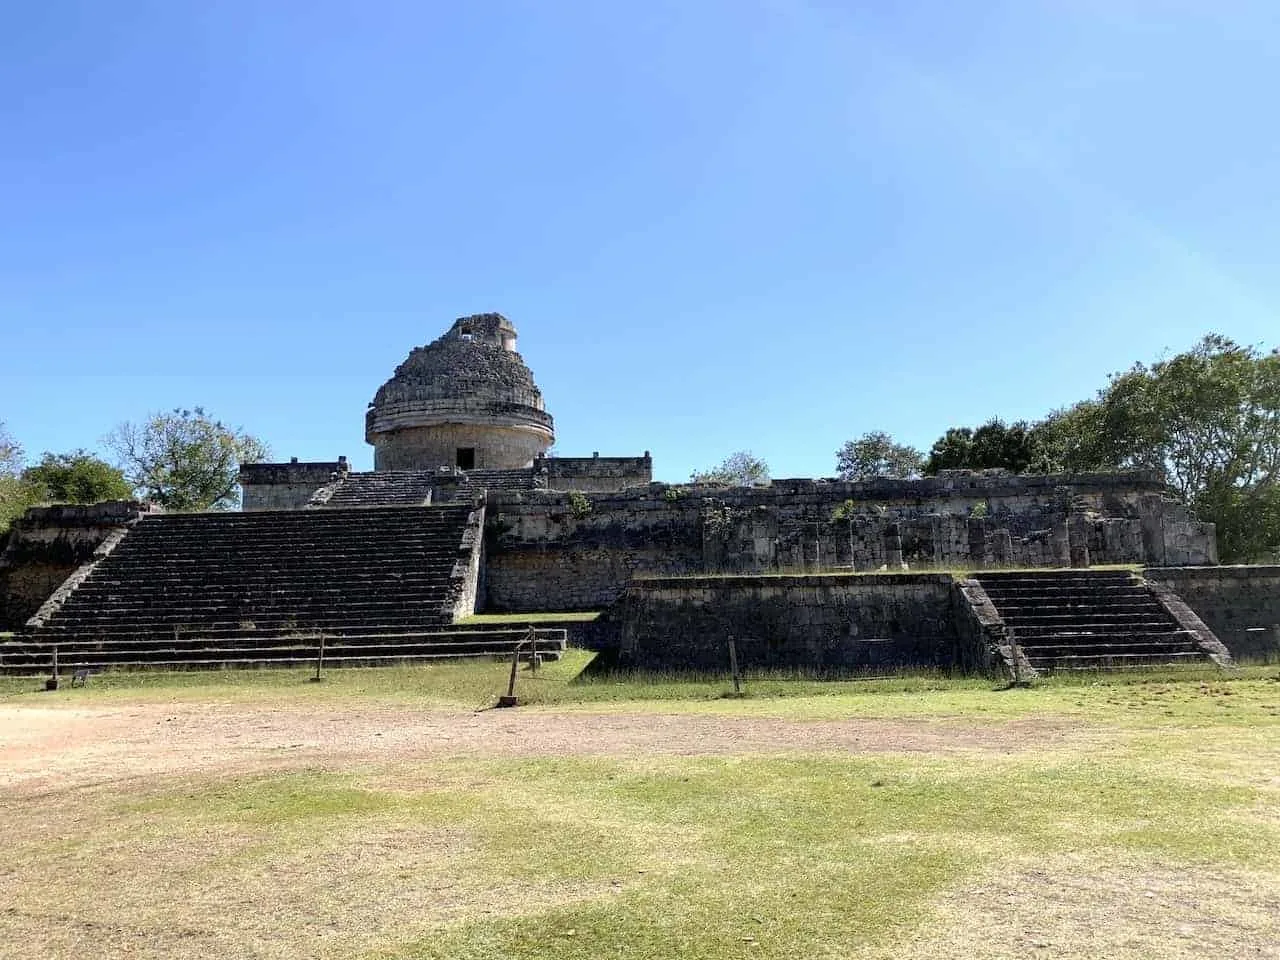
[(49, 748)]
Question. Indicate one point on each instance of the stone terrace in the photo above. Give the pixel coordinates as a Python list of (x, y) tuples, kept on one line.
[(235, 589)]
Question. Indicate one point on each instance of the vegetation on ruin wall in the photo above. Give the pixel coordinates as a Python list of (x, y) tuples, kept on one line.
[(1118, 818), (740, 469)]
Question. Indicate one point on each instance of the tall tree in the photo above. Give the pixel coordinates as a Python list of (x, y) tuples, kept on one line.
[(738, 469), (1073, 439), (1208, 420), (77, 477), (995, 444), (875, 454), (15, 494), (184, 459), (10, 453)]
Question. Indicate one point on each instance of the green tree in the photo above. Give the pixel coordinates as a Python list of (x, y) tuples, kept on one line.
[(77, 477), (875, 454), (995, 444), (1073, 439), (15, 493), (1208, 420), (738, 469), (185, 460)]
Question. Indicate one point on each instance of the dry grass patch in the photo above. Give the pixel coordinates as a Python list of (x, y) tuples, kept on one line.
[(1076, 908), (296, 866)]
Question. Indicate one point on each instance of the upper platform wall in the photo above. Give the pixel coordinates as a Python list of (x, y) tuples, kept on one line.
[(547, 548), (595, 474), (286, 486)]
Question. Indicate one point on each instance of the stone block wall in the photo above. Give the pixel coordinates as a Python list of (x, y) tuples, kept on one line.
[(829, 622), (464, 580), (47, 545), (553, 550), (497, 447), (286, 486), (1240, 604), (595, 474)]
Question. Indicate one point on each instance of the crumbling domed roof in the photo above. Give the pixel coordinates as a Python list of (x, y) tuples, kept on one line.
[(474, 366), (475, 358)]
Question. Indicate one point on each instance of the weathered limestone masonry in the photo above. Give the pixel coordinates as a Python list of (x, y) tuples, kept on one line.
[(566, 552), (460, 430), (465, 400), (287, 486), (47, 545), (594, 474), (1034, 622), (833, 622), (464, 579), (1240, 604)]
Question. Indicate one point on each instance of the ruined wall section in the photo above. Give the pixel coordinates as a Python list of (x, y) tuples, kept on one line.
[(47, 545), (1240, 604), (286, 486), (573, 551), (832, 623), (595, 474)]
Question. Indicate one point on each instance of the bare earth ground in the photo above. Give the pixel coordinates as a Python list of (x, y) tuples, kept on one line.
[(50, 748), (184, 888)]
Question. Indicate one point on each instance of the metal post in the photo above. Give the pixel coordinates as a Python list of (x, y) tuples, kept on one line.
[(319, 661), (52, 682), (733, 666), (510, 699)]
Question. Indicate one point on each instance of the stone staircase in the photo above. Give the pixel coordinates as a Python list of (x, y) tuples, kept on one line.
[(380, 489), (256, 589), (1095, 620), (518, 479), (418, 487)]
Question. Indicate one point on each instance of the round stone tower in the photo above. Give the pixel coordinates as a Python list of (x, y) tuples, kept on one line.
[(466, 400)]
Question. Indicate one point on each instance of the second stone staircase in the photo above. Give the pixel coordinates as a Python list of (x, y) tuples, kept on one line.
[(1095, 620)]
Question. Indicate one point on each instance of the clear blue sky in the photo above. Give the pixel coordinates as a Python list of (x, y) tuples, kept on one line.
[(717, 225)]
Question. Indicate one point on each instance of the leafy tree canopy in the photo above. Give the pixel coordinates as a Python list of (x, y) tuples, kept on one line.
[(1207, 420), (184, 459), (994, 444), (15, 494), (738, 469), (77, 477), (875, 454)]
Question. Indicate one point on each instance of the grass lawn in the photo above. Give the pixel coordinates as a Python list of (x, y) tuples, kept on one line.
[(1132, 817)]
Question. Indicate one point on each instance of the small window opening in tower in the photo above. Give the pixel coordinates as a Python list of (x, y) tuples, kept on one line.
[(466, 458), (465, 333)]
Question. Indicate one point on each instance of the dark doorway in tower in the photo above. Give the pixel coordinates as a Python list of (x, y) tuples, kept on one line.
[(466, 458)]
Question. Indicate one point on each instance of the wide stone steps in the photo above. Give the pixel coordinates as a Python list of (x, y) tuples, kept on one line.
[(1030, 633), (1170, 643), (1088, 620), (262, 627), (1120, 661), (227, 651), (189, 582), (383, 488)]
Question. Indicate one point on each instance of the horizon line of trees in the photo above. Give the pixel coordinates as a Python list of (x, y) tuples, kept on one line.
[(181, 460), (1207, 420)]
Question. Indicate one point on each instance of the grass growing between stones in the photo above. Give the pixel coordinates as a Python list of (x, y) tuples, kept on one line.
[(522, 618), (1154, 833)]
